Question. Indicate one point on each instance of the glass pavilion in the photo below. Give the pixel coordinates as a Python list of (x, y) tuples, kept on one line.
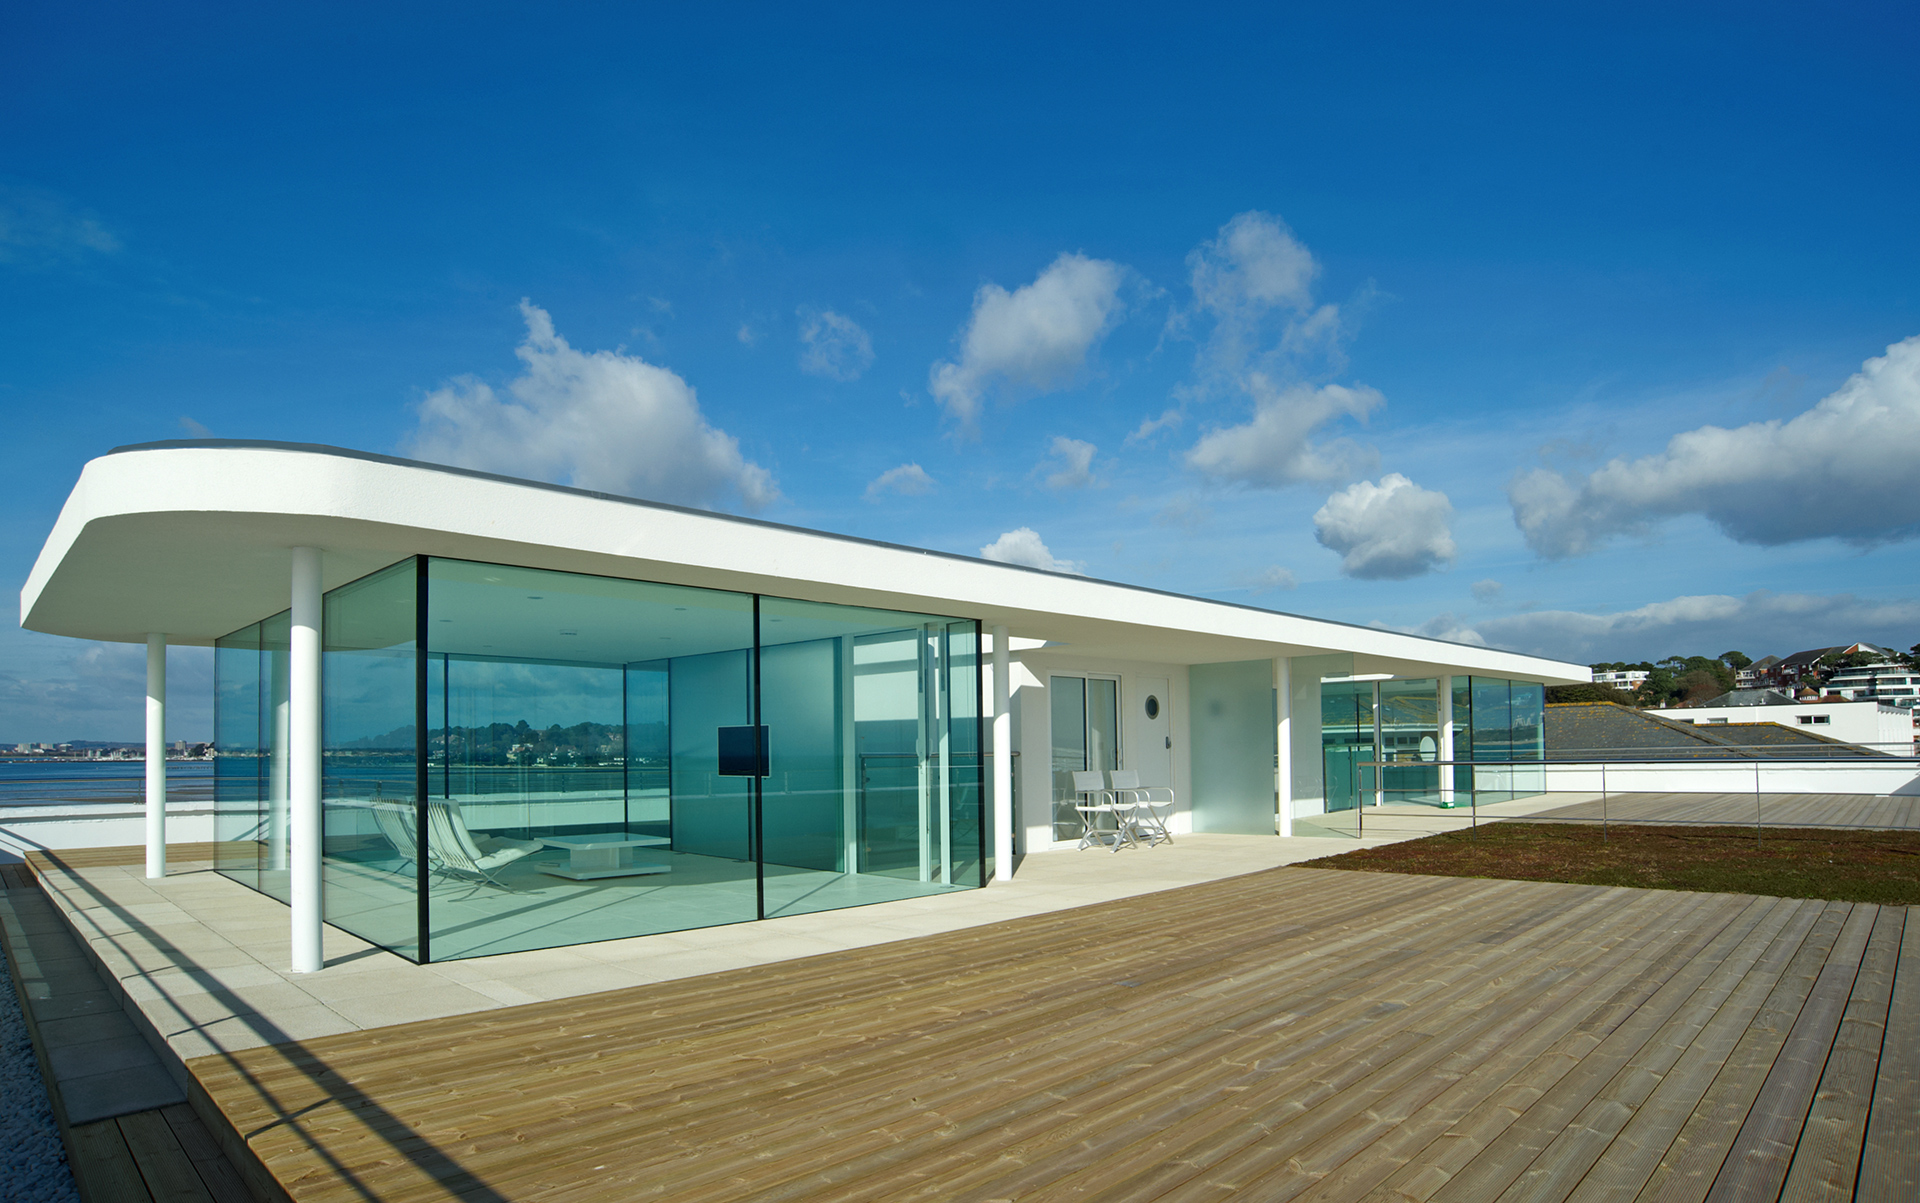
[(516, 758)]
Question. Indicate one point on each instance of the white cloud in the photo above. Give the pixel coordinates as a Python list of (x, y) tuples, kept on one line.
[(1072, 461), (1036, 337), (836, 346), (1168, 419), (746, 335), (1023, 546), (1276, 448), (1256, 280), (601, 420), (910, 480), (1843, 469), (1487, 591), (1389, 531), (193, 429), (1760, 623), (1272, 577), (40, 226)]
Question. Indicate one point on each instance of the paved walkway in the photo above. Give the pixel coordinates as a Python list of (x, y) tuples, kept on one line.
[(204, 960)]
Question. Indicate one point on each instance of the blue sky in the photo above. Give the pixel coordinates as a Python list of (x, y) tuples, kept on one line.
[(1465, 321)]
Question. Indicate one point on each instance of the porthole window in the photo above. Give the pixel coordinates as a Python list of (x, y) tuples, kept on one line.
[(1153, 706)]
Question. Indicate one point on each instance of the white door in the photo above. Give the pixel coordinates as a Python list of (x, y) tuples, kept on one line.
[(1150, 753)]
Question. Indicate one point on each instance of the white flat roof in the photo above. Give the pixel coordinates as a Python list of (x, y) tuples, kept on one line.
[(194, 539)]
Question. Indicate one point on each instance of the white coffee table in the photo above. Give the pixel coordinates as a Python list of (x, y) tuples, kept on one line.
[(609, 855)]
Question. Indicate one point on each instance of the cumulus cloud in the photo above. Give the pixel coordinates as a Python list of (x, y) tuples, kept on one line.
[(1276, 448), (1843, 469), (1036, 337), (1272, 577), (908, 480), (598, 420), (1389, 531), (1023, 546), (1255, 279), (1780, 623), (1071, 461), (834, 345), (37, 226), (1487, 591)]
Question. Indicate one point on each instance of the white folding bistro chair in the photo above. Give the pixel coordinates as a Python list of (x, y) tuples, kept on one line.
[(1096, 800), (1148, 820)]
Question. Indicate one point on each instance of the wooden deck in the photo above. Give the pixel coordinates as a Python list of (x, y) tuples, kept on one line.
[(1289, 1034), (1897, 813)]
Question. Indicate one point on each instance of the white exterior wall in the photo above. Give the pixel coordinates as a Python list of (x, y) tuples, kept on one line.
[(1870, 724), (1854, 775), (1033, 734)]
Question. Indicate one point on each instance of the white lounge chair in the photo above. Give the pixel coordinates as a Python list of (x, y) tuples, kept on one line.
[(1096, 800), (456, 854), (1147, 800)]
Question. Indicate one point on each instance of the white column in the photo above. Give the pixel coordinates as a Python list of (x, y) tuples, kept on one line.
[(1002, 759), (303, 760), (156, 755), (1446, 741), (1283, 742)]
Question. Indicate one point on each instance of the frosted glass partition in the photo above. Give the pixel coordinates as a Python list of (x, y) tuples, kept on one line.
[(1232, 717)]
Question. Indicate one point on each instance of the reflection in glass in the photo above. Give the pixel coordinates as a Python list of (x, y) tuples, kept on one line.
[(370, 760), (523, 759)]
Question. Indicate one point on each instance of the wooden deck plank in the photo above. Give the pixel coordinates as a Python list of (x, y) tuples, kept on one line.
[(104, 1170), (168, 1171), (1688, 1169), (1826, 1161), (1757, 1165), (1630, 1158), (1890, 1156), (1296, 1033)]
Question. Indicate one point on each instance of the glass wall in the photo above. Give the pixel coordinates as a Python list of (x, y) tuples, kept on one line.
[(1494, 720), (1085, 714), (519, 759), (369, 763), (1500, 720)]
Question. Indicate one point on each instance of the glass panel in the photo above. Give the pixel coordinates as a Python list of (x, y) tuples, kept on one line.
[(275, 660), (875, 808), (1410, 735), (579, 796), (1232, 722), (1346, 742), (370, 760), (239, 826), (1492, 738), (1309, 760), (1462, 736), (972, 865), (1529, 714), (1068, 696)]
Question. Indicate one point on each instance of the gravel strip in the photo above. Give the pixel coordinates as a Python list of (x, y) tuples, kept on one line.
[(33, 1162)]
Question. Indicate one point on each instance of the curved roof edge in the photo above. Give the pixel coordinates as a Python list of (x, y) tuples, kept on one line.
[(57, 547)]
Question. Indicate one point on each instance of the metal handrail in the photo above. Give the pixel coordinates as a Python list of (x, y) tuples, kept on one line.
[(1473, 795)]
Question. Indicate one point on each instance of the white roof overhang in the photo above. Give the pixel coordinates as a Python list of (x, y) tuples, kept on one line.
[(194, 540)]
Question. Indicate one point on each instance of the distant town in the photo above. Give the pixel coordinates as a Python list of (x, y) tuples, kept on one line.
[(91, 749), (1851, 672)]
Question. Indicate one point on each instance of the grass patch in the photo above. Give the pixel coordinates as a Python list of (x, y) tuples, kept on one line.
[(1791, 862)]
